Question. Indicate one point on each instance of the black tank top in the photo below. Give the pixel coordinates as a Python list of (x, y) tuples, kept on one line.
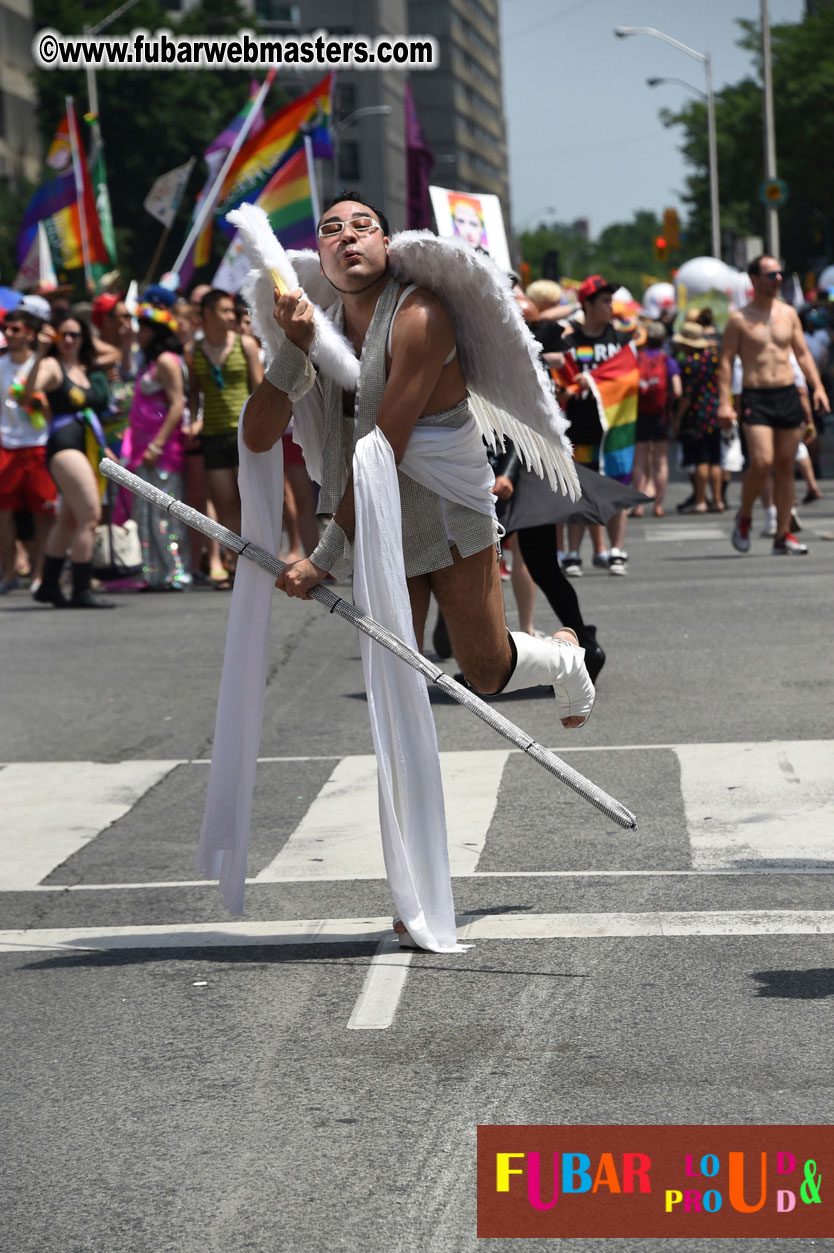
[(68, 397)]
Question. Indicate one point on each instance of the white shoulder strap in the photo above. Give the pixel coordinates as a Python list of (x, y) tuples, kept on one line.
[(405, 294)]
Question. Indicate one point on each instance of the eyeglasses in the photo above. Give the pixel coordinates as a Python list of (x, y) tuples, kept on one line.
[(363, 224), (773, 274)]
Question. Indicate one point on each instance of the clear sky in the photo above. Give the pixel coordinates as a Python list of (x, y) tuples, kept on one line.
[(584, 135)]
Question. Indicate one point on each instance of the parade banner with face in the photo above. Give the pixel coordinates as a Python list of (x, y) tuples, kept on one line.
[(473, 217)]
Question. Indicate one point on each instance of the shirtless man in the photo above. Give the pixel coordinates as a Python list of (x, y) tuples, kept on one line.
[(423, 378), (763, 334)]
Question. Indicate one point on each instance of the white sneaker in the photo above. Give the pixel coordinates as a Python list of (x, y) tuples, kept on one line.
[(769, 528), (572, 566), (618, 561), (602, 560)]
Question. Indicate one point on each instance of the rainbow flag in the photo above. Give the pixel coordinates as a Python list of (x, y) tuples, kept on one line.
[(283, 134), (615, 383), (214, 156), (287, 201), (56, 204)]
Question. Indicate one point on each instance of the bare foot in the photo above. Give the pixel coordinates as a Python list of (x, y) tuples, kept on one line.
[(570, 636)]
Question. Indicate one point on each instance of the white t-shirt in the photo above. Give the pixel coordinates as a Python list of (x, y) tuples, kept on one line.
[(16, 427)]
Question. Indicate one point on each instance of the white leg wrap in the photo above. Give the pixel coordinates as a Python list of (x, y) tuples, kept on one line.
[(555, 663)]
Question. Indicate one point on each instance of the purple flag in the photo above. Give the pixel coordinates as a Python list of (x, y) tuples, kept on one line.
[(419, 162)]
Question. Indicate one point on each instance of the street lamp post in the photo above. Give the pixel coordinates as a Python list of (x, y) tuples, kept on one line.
[(706, 61), (772, 210)]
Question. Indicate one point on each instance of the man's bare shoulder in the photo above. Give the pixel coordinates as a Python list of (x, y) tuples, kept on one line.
[(422, 309)]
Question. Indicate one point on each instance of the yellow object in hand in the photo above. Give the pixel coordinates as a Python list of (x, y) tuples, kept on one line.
[(279, 282)]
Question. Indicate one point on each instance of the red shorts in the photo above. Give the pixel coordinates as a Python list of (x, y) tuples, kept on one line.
[(293, 456), (25, 482)]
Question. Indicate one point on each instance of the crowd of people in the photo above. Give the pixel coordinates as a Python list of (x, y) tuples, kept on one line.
[(160, 388), (710, 393)]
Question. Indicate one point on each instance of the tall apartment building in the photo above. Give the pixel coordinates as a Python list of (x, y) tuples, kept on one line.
[(20, 145), (368, 114), (461, 104)]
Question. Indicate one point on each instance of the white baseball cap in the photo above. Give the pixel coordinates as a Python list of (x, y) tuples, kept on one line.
[(37, 306)]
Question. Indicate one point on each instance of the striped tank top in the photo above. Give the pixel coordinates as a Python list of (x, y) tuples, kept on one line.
[(224, 388)]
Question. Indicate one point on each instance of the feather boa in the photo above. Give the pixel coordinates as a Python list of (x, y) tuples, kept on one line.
[(331, 352)]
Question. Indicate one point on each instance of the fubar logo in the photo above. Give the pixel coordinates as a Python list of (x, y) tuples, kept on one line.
[(649, 1182)]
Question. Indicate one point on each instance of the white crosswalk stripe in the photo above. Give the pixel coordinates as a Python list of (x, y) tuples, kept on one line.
[(339, 837), (52, 809), (765, 806), (759, 803)]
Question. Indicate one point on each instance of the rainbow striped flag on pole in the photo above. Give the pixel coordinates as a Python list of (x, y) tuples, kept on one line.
[(615, 384), (66, 205), (288, 203), (261, 156)]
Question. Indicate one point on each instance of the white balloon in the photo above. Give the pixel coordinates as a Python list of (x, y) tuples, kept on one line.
[(826, 279), (658, 298), (704, 274)]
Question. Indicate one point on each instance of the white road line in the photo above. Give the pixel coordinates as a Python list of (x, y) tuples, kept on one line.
[(687, 533), (658, 923), (338, 837), (52, 809), (377, 1003), (718, 871), (771, 802)]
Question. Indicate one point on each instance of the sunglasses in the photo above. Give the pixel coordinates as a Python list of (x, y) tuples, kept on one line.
[(70, 334), (363, 224), (217, 375), (773, 274)]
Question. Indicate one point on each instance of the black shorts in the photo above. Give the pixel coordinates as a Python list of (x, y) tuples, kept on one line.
[(220, 451), (702, 449), (650, 427), (777, 407), (73, 435)]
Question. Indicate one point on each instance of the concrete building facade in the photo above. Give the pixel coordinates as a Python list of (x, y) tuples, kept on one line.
[(21, 150)]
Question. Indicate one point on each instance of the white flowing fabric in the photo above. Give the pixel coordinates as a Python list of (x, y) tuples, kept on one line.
[(224, 836), (412, 816), (450, 461), (411, 811)]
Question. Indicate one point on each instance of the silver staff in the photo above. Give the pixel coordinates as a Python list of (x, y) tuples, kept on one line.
[(253, 552)]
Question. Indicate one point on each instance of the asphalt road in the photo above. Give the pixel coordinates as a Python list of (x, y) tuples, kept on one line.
[(192, 1089)]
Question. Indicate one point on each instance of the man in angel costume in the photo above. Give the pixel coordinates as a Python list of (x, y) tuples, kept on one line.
[(420, 353)]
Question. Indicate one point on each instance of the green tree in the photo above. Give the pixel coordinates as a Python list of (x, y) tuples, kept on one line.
[(624, 251), (151, 121), (802, 57)]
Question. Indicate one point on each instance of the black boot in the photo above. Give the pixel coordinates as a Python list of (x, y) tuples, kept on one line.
[(49, 592), (82, 593), (594, 656), (440, 638)]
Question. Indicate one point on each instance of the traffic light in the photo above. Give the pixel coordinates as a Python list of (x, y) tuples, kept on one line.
[(660, 247), (671, 228)]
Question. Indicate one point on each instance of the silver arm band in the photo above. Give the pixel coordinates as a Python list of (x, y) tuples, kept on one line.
[(334, 552), (291, 371)]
